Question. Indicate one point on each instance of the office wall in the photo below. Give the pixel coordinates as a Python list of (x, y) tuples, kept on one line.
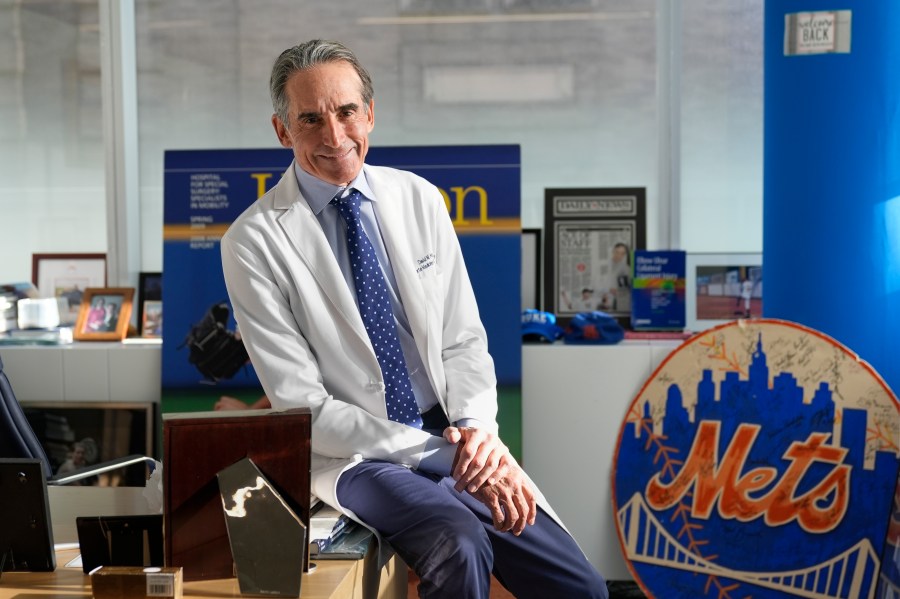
[(574, 82), (577, 94)]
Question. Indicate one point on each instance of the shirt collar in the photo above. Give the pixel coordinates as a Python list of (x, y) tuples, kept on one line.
[(318, 193)]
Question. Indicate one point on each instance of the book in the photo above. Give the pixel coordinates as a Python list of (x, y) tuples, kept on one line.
[(52, 336), (658, 290), (20, 290), (659, 335), (347, 540), (8, 310), (335, 536), (322, 522)]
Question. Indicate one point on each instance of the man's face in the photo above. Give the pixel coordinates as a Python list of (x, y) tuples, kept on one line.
[(328, 124), (619, 253)]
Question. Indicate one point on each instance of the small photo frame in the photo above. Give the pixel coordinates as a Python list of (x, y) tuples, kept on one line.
[(105, 314), (722, 288), (67, 276), (150, 298), (151, 319)]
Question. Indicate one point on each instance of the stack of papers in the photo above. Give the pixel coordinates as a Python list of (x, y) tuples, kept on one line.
[(335, 536)]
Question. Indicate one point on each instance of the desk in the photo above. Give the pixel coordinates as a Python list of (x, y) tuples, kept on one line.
[(337, 579)]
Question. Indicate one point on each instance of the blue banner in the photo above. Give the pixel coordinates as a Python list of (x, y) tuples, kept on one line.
[(205, 190)]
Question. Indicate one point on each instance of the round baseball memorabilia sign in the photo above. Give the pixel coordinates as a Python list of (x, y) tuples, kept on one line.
[(760, 460)]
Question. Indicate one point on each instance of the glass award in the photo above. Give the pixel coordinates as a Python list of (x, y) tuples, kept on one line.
[(267, 538)]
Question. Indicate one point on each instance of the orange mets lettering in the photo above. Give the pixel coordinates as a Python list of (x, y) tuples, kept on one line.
[(819, 510), (461, 193), (261, 179)]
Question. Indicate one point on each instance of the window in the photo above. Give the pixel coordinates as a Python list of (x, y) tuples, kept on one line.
[(52, 186)]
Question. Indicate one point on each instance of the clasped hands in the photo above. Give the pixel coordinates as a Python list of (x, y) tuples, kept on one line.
[(485, 469)]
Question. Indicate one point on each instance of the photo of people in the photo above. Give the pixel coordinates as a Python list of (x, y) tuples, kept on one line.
[(617, 292), (82, 454), (152, 323), (150, 302), (103, 314), (586, 302), (729, 292), (71, 291)]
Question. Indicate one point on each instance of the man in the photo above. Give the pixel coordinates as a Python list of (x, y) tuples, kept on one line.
[(747, 295), (619, 279), (310, 268)]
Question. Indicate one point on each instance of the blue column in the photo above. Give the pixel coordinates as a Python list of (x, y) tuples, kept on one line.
[(831, 223)]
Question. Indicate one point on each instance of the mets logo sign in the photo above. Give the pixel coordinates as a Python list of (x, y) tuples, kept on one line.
[(760, 460)]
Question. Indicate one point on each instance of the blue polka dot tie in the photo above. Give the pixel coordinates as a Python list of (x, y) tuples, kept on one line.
[(375, 308)]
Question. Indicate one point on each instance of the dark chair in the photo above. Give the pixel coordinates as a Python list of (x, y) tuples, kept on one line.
[(18, 440)]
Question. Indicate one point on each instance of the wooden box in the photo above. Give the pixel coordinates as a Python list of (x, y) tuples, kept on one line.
[(195, 448)]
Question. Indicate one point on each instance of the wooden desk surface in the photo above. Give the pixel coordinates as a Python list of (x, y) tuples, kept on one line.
[(336, 579)]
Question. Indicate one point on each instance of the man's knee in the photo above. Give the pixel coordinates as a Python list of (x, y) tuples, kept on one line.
[(458, 541), (468, 540)]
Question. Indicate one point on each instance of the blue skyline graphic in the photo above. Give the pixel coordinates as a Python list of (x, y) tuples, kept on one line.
[(784, 419)]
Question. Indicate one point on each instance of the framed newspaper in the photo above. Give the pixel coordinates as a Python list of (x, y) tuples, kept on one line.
[(591, 235)]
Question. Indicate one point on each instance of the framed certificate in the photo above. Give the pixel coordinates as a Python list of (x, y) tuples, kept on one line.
[(67, 276)]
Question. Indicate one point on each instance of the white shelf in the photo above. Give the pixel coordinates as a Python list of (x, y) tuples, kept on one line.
[(87, 371)]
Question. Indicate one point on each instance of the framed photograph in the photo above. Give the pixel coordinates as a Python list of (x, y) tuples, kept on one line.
[(531, 269), (105, 314), (67, 276), (591, 235), (151, 319), (150, 290), (722, 287)]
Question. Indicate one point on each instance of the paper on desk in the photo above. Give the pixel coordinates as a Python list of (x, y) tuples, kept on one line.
[(322, 522)]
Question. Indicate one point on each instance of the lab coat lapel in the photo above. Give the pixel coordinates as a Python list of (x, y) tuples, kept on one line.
[(304, 232), (394, 230)]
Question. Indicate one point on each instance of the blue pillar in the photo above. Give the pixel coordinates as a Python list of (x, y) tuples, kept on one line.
[(831, 221)]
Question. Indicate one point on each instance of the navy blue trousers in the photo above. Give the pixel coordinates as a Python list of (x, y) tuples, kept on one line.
[(449, 540)]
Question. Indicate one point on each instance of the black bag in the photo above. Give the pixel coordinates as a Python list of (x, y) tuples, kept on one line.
[(216, 352)]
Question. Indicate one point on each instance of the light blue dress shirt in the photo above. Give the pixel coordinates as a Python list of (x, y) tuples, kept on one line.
[(438, 455)]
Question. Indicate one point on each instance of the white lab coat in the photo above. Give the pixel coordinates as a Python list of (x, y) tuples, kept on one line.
[(306, 338)]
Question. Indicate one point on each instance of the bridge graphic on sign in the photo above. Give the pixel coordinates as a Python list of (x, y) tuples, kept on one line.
[(841, 577)]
